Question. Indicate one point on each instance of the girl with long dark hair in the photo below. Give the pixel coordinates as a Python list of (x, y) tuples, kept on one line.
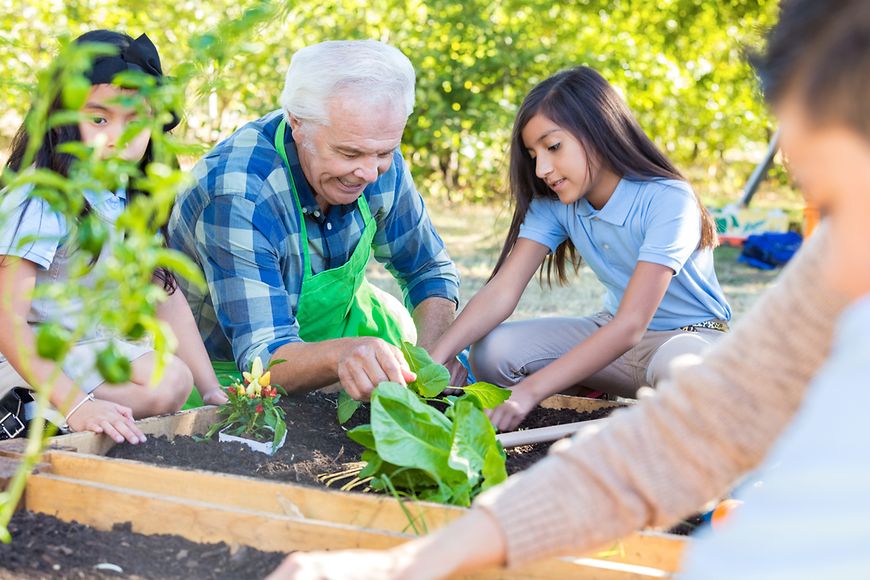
[(36, 247), (586, 180)]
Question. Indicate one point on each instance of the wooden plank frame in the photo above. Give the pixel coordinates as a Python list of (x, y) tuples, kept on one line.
[(77, 483)]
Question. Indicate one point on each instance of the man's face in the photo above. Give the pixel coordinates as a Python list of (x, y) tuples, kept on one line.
[(831, 164), (339, 159)]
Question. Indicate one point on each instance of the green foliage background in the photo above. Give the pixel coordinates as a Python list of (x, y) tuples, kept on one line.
[(679, 63)]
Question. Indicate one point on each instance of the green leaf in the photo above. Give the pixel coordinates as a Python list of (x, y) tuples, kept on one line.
[(64, 118), (280, 429), (409, 433), (363, 435), (494, 471), (489, 395), (432, 380), (416, 356), (347, 406), (373, 465), (274, 362), (473, 438)]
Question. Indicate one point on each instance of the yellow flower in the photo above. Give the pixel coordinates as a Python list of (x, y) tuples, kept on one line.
[(264, 380), (256, 371)]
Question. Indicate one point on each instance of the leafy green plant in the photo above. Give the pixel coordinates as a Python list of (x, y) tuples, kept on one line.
[(252, 410), (445, 456)]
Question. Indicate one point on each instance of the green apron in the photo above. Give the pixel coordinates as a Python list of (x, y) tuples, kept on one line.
[(339, 302), (335, 303)]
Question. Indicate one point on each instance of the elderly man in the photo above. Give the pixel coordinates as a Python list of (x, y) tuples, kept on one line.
[(286, 212)]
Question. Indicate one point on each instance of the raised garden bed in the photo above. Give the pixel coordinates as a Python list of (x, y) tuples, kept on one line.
[(317, 445), (212, 507)]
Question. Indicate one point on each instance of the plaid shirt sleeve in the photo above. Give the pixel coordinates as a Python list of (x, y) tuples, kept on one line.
[(409, 247), (253, 305)]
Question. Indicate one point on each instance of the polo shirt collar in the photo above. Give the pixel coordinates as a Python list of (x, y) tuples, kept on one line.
[(616, 210)]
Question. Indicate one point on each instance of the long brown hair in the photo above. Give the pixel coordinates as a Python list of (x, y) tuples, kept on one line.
[(580, 101)]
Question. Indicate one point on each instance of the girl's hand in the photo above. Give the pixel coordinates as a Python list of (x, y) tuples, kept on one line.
[(113, 419), (214, 396), (458, 372), (508, 415)]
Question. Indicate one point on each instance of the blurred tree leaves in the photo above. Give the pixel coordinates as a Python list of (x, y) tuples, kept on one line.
[(679, 63)]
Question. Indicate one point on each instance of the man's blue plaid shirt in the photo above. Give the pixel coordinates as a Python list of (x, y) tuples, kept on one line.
[(240, 224)]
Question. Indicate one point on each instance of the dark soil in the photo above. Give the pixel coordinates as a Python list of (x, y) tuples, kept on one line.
[(316, 444), (522, 457), (46, 547)]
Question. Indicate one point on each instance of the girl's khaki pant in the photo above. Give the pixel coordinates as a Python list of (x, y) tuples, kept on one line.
[(514, 350)]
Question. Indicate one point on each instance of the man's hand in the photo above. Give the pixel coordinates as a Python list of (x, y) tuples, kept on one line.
[(370, 361), (508, 415)]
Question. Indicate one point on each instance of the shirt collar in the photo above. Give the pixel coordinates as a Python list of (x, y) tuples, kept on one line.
[(615, 211), (101, 197)]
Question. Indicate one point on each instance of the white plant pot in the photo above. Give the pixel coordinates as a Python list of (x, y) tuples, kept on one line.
[(262, 447)]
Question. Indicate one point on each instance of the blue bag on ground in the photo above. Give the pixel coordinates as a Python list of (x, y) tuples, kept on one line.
[(769, 250)]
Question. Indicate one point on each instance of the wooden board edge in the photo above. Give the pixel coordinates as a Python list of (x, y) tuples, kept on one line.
[(102, 507), (655, 549)]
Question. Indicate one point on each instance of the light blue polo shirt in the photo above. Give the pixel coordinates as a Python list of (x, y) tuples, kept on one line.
[(656, 221)]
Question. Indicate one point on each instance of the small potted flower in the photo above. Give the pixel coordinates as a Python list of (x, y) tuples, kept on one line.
[(252, 416)]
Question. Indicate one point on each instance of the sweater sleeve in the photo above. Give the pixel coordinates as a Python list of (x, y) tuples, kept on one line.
[(666, 456)]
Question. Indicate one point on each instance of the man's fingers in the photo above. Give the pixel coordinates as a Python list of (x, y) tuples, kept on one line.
[(394, 365), (355, 382)]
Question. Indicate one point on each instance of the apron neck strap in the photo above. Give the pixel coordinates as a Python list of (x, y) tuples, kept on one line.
[(303, 230)]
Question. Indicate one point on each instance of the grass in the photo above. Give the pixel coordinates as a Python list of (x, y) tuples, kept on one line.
[(474, 235)]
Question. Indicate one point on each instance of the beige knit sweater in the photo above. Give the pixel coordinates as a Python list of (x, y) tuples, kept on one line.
[(665, 457)]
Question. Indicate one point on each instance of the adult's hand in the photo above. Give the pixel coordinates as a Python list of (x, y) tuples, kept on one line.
[(113, 419), (344, 565), (472, 542), (369, 361)]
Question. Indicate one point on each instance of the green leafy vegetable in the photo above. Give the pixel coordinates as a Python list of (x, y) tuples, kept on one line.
[(489, 395), (416, 450), (347, 406)]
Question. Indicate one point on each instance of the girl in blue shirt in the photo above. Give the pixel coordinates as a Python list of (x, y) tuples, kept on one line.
[(35, 249), (586, 180)]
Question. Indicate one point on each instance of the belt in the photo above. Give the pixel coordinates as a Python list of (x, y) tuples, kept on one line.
[(719, 325), (12, 419)]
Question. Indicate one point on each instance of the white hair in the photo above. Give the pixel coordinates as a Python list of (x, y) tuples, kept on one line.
[(365, 70)]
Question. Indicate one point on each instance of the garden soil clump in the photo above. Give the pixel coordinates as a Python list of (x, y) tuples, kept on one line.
[(316, 444), (46, 547)]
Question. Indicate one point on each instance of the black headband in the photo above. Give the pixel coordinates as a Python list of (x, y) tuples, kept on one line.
[(139, 55)]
